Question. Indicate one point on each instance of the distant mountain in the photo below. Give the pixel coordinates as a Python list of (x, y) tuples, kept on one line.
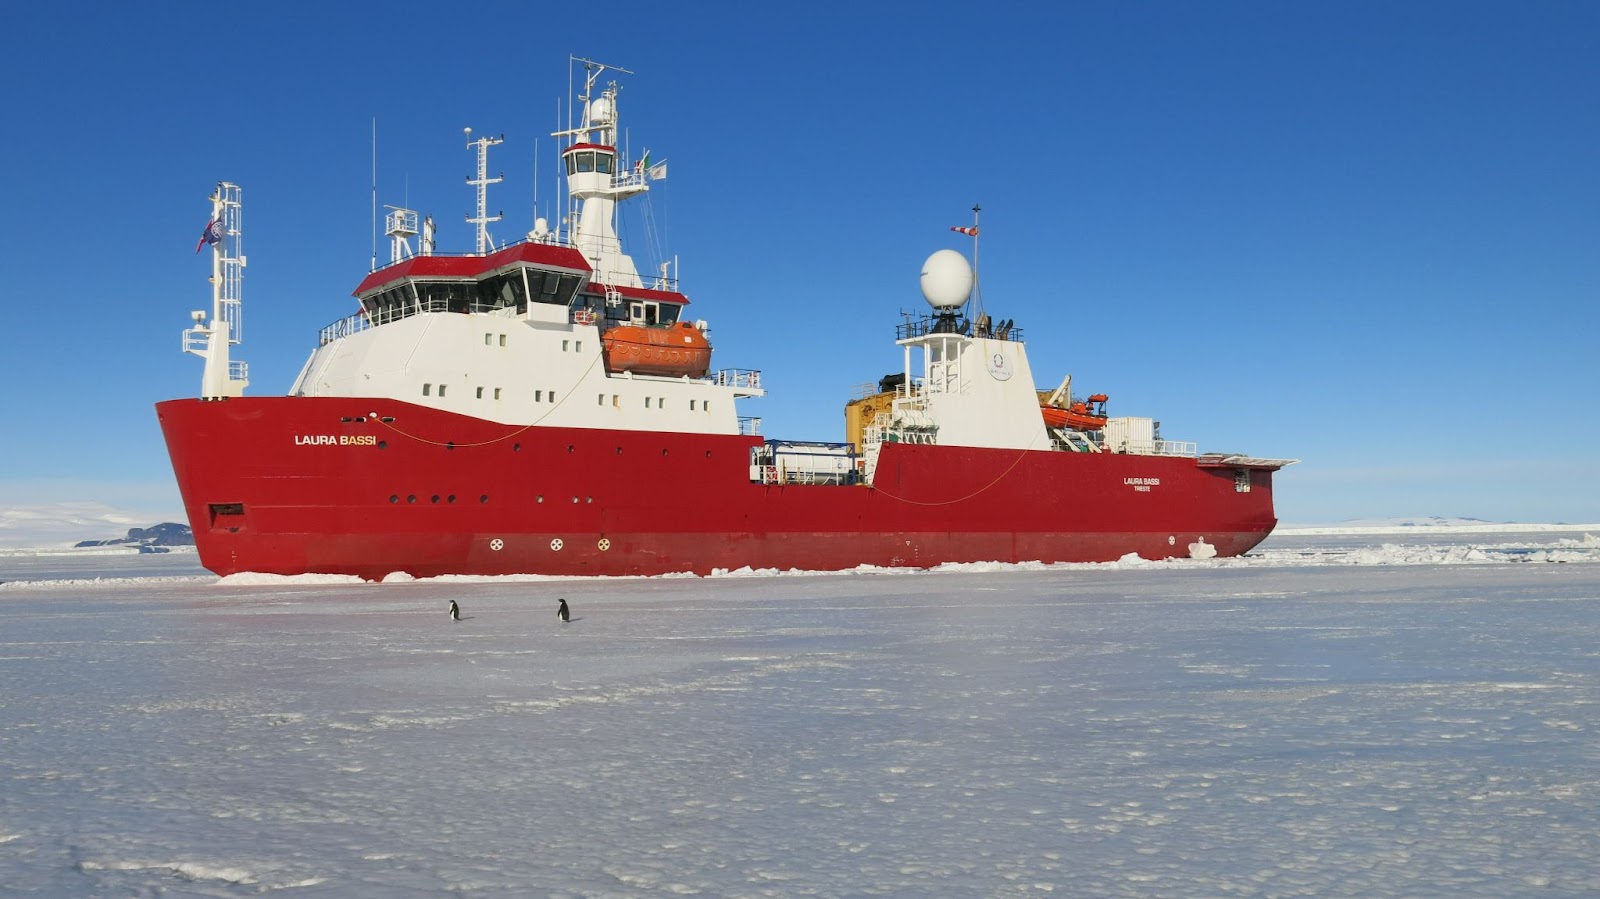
[(1430, 521), (58, 525), (151, 539)]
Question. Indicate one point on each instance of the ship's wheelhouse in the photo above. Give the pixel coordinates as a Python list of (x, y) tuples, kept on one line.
[(585, 158), (514, 278)]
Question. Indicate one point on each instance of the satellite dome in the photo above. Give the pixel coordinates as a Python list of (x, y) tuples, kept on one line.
[(946, 280), (601, 112)]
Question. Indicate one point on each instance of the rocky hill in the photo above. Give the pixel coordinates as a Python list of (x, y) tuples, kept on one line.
[(149, 539)]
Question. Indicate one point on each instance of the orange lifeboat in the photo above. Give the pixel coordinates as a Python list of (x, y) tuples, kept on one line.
[(673, 351), (1080, 416)]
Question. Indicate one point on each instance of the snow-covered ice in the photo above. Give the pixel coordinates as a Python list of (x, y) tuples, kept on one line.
[(1336, 715)]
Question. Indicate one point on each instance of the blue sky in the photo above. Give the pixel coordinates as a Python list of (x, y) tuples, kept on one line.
[(1365, 235)]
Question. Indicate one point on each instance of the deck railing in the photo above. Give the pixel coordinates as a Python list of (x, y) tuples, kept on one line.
[(735, 377)]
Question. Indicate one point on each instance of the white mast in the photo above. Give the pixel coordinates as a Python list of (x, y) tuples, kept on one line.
[(482, 183), (597, 179), (222, 377), (401, 225)]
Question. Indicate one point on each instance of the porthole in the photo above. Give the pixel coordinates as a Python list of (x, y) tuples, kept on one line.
[(395, 498), (539, 498), (383, 444), (451, 498), (412, 498), (484, 498), (516, 447), (436, 498)]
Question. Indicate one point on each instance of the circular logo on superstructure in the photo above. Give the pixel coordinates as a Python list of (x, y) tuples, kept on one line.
[(999, 367)]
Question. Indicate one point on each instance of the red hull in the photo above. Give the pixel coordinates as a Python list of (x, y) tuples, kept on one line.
[(292, 485)]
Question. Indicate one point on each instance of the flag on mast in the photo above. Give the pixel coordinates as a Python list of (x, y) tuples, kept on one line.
[(212, 234)]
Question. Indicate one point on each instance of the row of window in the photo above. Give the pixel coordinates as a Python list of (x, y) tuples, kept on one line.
[(539, 396), (590, 161), (652, 402)]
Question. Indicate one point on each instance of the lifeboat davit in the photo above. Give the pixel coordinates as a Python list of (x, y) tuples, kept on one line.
[(1080, 416), (673, 351)]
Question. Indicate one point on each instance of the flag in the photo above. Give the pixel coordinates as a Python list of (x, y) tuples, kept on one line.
[(658, 171), (970, 232), (643, 165), (212, 234)]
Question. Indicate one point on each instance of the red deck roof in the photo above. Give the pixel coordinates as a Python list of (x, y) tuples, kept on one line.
[(472, 266), (645, 293)]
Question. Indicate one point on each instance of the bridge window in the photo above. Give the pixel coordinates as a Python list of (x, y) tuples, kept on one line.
[(603, 162), (586, 161), (552, 287)]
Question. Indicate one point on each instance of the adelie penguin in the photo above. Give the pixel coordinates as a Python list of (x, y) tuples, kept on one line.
[(455, 611), (563, 612)]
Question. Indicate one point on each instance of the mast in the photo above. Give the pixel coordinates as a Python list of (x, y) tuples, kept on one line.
[(482, 183), (598, 178), (223, 377)]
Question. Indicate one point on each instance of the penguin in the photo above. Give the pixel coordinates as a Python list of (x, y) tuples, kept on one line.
[(455, 611), (563, 612)]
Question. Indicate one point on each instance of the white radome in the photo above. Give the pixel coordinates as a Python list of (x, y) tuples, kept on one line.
[(946, 279)]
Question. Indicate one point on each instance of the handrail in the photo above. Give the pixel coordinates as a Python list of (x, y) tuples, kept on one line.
[(735, 377), (361, 321), (926, 325)]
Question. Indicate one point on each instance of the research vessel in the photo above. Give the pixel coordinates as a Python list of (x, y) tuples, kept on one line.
[(539, 407)]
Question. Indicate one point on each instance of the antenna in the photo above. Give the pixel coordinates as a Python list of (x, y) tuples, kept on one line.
[(374, 194)]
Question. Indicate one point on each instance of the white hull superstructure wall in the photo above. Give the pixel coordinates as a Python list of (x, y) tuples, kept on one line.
[(971, 391), (514, 370)]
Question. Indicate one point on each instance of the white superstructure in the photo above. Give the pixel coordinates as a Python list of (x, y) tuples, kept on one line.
[(517, 334)]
